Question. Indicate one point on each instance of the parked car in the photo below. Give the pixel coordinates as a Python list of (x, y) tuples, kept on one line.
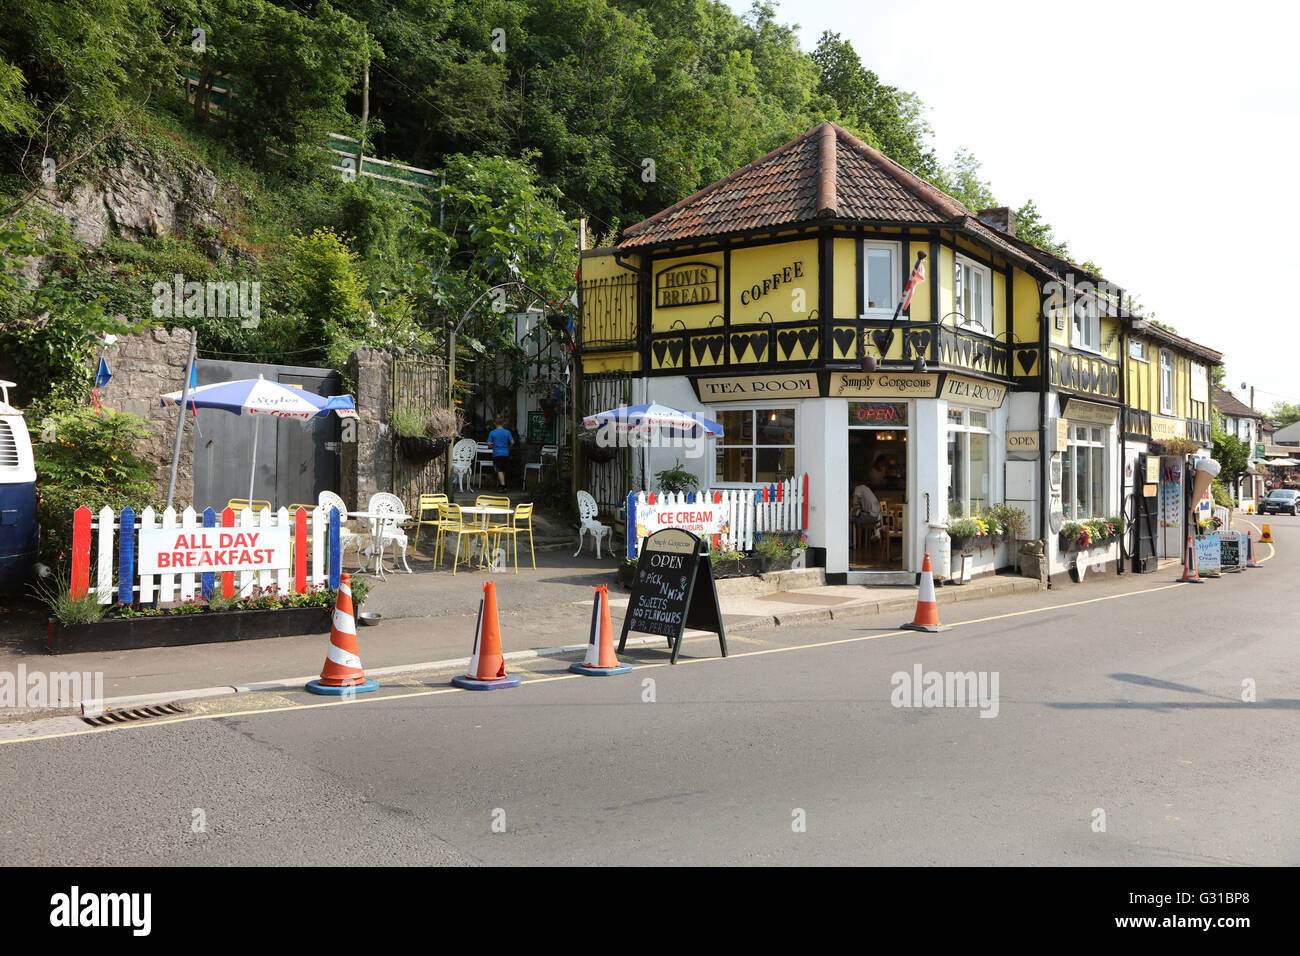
[(1280, 500), (19, 533)]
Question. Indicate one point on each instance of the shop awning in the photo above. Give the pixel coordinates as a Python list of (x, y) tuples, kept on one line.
[(1284, 462)]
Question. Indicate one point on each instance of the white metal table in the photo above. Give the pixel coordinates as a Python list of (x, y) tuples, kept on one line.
[(486, 511), (379, 521)]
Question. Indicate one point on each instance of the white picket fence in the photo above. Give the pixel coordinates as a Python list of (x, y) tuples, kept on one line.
[(164, 588), (747, 512)]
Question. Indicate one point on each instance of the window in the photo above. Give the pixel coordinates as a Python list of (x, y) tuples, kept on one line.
[(1137, 350), (1083, 474), (968, 462), (973, 294), (1087, 324), (880, 290), (1166, 383), (757, 445)]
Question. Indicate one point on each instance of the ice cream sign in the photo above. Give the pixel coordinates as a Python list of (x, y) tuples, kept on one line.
[(702, 520), (169, 550)]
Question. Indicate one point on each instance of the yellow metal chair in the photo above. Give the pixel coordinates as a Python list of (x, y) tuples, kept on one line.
[(455, 524), (435, 503), (521, 521), (495, 523), (239, 504)]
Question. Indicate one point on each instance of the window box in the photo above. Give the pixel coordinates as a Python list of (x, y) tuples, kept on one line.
[(977, 542), (737, 567)]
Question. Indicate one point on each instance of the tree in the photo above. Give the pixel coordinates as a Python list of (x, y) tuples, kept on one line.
[(1284, 413), (962, 181), (1231, 453)]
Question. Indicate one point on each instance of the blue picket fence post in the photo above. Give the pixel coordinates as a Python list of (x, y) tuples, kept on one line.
[(630, 553), (126, 556), (336, 561), (209, 578)]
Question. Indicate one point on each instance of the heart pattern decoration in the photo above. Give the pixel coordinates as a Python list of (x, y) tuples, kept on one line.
[(711, 344), (742, 342), (882, 339), (919, 343), (1026, 359), (844, 339), (671, 348)]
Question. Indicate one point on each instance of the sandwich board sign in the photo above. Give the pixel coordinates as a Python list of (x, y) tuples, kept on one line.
[(1208, 555), (673, 591), (1230, 550)]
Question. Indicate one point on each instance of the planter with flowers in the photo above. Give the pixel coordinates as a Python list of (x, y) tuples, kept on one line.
[(1095, 532), (973, 533), (776, 549)]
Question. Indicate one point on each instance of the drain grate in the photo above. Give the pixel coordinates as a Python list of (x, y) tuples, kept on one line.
[(110, 717)]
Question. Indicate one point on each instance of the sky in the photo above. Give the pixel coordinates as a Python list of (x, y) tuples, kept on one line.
[(1156, 138)]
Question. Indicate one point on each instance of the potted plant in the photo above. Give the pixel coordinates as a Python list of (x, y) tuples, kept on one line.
[(424, 436), (967, 533), (595, 451), (1012, 522), (776, 549), (627, 573), (1074, 536), (677, 480)]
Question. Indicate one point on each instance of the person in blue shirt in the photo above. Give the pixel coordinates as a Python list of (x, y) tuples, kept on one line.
[(501, 441)]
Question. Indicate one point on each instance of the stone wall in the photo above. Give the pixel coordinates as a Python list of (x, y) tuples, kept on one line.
[(371, 463), (144, 366)]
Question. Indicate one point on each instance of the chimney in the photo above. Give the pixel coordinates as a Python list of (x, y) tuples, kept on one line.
[(1002, 218)]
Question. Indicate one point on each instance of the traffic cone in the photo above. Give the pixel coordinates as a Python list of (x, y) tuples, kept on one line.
[(342, 673), (927, 609), (1189, 565), (1250, 552), (1266, 538), (600, 660), (487, 666)]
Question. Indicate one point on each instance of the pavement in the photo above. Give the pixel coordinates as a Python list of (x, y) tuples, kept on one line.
[(429, 618), (1135, 721)]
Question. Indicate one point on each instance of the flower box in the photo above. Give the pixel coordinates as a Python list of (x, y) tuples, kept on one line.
[(979, 541), (173, 630), (783, 563), (733, 568), (1077, 545)]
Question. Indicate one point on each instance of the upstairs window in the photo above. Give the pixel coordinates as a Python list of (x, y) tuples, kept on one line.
[(1166, 384), (1087, 324), (880, 289), (973, 294)]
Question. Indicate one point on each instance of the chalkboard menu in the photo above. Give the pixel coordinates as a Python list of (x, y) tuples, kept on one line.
[(1230, 551), (673, 591)]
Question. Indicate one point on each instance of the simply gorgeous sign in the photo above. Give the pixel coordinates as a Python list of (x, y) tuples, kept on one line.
[(168, 550)]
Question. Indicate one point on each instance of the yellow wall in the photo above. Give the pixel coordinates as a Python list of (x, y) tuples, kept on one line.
[(920, 307), (942, 279), (597, 325), (846, 279), (790, 272)]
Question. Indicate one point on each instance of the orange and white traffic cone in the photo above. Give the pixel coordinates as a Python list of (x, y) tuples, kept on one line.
[(1189, 565), (927, 609), (487, 665), (1266, 537), (342, 673), (1250, 552), (600, 660)]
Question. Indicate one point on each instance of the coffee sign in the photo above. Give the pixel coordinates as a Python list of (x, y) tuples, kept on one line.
[(691, 283)]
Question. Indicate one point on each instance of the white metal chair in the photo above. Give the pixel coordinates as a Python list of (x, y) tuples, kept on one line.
[(347, 538), (462, 460), (485, 461), (548, 451), (385, 532), (589, 525)]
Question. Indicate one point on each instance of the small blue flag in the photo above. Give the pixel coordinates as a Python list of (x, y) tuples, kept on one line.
[(102, 375), (194, 375)]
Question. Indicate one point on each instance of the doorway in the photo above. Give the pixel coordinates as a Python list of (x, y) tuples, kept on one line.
[(877, 459)]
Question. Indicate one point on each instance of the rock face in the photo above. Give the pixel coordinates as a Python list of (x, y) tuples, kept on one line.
[(142, 197)]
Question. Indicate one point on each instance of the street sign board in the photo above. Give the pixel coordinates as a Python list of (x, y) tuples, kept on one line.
[(673, 591)]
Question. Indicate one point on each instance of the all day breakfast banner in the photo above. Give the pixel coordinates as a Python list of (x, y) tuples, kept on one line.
[(172, 550)]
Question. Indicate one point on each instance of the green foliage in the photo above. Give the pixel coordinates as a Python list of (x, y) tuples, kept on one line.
[(961, 180), (677, 480), (1220, 493), (1284, 413), (1231, 453), (408, 422), (1011, 520), (779, 544), (55, 592), (89, 461)]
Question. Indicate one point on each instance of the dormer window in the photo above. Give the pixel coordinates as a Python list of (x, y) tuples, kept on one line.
[(1087, 324), (973, 295)]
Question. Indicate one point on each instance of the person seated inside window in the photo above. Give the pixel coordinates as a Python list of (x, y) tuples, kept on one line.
[(865, 507)]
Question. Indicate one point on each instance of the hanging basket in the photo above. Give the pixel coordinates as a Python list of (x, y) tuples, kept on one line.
[(419, 448)]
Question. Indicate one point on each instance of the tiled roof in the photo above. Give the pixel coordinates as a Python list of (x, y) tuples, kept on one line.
[(1228, 404), (1145, 327), (824, 174)]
